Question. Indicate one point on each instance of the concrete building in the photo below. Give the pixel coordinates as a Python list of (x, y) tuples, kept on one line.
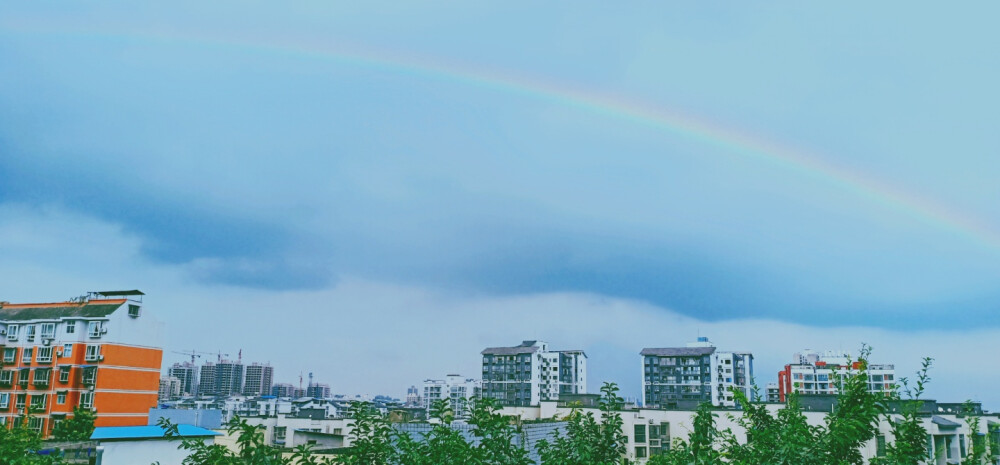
[(170, 388), (456, 389), (413, 398), (813, 372), (258, 380), (681, 377), (650, 431), (130, 445), (100, 351), (773, 394), (318, 390), (188, 374), (224, 378), (283, 390), (529, 373)]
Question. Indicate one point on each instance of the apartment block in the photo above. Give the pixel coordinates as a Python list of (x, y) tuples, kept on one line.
[(187, 373), (283, 390), (98, 351), (170, 388), (675, 377), (530, 373), (318, 391), (224, 378), (258, 380), (813, 372), (456, 389)]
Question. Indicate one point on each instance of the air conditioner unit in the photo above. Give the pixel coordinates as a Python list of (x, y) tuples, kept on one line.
[(104, 330), (58, 353), (100, 358), (46, 342)]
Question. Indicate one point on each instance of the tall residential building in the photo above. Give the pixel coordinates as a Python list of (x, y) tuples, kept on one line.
[(318, 391), (676, 376), (456, 389), (96, 352), (258, 379), (206, 380), (814, 372), (170, 388), (529, 373), (224, 378), (413, 397), (283, 390), (187, 373)]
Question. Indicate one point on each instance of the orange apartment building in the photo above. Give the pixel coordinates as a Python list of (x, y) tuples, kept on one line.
[(98, 352)]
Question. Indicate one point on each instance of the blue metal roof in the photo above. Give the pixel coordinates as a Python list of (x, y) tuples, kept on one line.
[(147, 432)]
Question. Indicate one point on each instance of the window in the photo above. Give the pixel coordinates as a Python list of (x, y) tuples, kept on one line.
[(67, 350), (61, 397), (12, 332), (38, 402), (70, 327), (7, 377), (42, 376), (94, 329), (640, 434), (48, 330), (93, 353), (20, 401), (640, 452), (961, 445), (89, 375), (63, 374), (35, 423), (22, 376), (86, 400), (26, 354), (9, 354), (4, 400), (29, 332), (44, 355), (880, 445), (133, 311)]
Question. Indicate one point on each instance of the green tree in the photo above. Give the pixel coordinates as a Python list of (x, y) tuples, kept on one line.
[(443, 445), (700, 448), (979, 453), (587, 441), (499, 442), (77, 428), (909, 445), (19, 446), (371, 438)]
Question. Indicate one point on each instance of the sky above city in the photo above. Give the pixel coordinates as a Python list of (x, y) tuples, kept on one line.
[(375, 191)]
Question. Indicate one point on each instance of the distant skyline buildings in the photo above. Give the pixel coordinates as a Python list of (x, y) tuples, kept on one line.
[(187, 373), (258, 379)]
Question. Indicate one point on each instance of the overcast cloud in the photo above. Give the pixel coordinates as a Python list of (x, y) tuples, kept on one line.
[(289, 202)]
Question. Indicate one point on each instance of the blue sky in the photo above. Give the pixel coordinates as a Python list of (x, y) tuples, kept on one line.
[(222, 156)]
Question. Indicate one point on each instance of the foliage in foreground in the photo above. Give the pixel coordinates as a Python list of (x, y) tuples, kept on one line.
[(773, 437), (18, 446), (78, 428)]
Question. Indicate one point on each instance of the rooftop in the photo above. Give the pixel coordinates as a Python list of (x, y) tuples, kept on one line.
[(57, 310), (125, 433), (678, 351), (526, 347)]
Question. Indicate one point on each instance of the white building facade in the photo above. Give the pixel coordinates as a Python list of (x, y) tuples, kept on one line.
[(458, 390), (529, 373)]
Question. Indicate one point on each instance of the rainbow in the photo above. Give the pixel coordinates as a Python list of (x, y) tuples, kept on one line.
[(923, 209)]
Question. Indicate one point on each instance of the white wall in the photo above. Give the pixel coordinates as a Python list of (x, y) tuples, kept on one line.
[(144, 452)]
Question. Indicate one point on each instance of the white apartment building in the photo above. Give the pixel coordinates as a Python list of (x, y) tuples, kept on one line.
[(458, 390), (813, 372), (529, 373), (678, 377)]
